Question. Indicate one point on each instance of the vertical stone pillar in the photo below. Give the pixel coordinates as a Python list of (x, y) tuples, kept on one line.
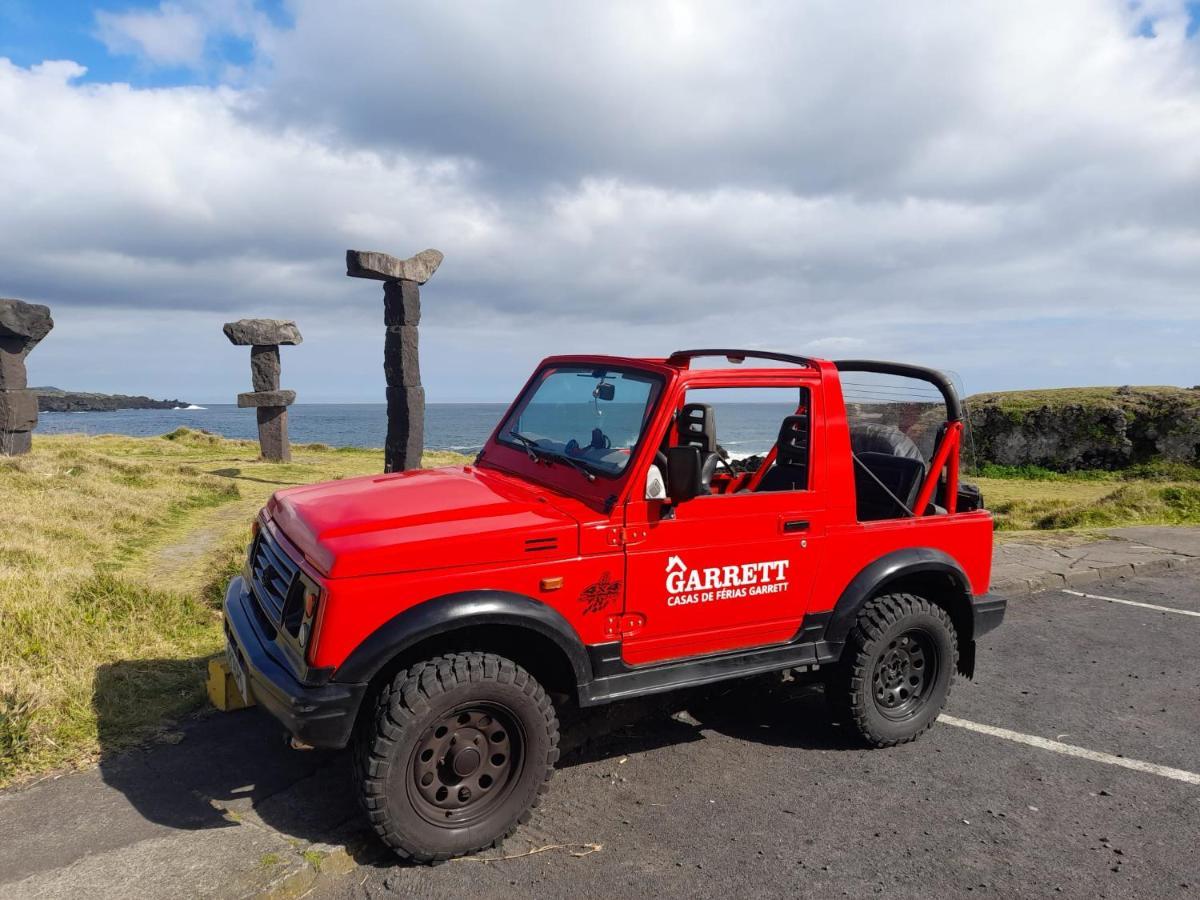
[(22, 326), (269, 402), (402, 280)]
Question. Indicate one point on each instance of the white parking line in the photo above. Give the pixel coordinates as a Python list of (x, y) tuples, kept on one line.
[(1171, 609), (1071, 750)]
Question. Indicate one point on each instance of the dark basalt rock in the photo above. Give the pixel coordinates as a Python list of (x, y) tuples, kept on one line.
[(383, 267), (54, 400), (29, 321), (401, 364), (266, 398), (18, 410), (262, 332), (12, 364), (406, 428), (22, 326), (402, 278), (1086, 428), (264, 368), (401, 303)]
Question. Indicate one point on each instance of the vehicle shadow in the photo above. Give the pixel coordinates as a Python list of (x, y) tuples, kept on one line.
[(763, 709), (219, 770), (215, 770)]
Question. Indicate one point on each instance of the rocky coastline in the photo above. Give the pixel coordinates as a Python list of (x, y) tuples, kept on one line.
[(52, 399)]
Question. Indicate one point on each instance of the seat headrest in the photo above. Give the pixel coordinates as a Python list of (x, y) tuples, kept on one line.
[(697, 427), (792, 446)]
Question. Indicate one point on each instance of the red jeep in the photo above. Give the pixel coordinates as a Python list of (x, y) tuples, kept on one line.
[(605, 546)]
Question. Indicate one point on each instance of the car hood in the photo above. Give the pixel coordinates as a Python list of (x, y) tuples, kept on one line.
[(425, 519)]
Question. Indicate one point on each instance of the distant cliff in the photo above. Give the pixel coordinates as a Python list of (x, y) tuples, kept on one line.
[(51, 399), (1086, 428)]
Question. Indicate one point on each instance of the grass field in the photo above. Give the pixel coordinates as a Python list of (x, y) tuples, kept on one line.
[(114, 554), (1029, 499)]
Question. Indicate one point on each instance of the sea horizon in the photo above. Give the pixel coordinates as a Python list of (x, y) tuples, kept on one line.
[(459, 426)]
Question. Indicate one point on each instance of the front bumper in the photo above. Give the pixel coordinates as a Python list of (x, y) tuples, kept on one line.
[(320, 715), (988, 610)]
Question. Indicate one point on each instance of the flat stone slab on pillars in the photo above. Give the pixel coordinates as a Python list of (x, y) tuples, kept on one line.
[(266, 398), (263, 332), (383, 267)]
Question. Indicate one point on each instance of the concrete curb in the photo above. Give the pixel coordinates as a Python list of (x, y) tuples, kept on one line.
[(1049, 581)]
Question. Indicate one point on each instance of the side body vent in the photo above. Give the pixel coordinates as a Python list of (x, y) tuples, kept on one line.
[(539, 545)]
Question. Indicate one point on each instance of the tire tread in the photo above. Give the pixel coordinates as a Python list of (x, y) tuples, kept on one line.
[(402, 701)]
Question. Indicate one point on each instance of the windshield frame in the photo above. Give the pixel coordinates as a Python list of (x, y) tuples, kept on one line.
[(606, 487), (656, 380)]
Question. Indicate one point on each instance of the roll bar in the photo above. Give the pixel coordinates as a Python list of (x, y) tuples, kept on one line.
[(933, 376), (685, 357)]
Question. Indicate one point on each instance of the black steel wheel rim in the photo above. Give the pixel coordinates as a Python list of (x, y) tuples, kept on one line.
[(466, 763), (905, 674)]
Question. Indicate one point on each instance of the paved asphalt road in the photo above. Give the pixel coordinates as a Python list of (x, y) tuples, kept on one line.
[(753, 792), (748, 790)]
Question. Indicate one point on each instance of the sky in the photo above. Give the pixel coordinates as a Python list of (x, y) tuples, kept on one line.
[(1006, 190)]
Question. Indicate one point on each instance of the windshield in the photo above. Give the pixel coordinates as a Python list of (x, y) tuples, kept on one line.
[(583, 414)]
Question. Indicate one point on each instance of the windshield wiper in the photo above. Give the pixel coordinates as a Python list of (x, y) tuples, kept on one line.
[(574, 464), (531, 446), (540, 454)]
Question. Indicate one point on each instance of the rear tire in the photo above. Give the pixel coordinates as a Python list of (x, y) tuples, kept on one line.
[(896, 669), (455, 755)]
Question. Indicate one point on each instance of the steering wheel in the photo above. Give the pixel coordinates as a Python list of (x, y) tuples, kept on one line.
[(723, 459)]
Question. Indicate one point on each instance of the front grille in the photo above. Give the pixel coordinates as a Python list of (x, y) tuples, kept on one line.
[(272, 574)]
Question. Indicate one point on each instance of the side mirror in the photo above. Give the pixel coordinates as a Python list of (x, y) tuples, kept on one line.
[(683, 473), (605, 391)]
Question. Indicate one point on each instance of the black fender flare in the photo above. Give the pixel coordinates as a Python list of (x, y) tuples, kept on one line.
[(449, 612), (871, 581)]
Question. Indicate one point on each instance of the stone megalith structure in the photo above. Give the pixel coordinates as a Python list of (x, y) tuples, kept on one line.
[(264, 336), (22, 326), (402, 280)]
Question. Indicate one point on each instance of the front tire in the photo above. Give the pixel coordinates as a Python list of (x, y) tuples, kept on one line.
[(896, 669), (456, 755)]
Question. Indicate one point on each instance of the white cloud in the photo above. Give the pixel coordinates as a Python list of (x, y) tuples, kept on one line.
[(1007, 191), (168, 35), (176, 33)]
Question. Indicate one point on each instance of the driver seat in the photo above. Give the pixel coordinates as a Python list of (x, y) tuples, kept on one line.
[(790, 471), (696, 426)]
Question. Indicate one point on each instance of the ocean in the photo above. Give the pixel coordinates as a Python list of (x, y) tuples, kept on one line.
[(742, 428)]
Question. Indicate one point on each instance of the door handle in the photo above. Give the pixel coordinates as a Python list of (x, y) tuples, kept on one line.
[(791, 526)]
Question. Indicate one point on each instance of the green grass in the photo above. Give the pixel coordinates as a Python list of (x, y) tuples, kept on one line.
[(114, 555), (1027, 498), (1142, 395)]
